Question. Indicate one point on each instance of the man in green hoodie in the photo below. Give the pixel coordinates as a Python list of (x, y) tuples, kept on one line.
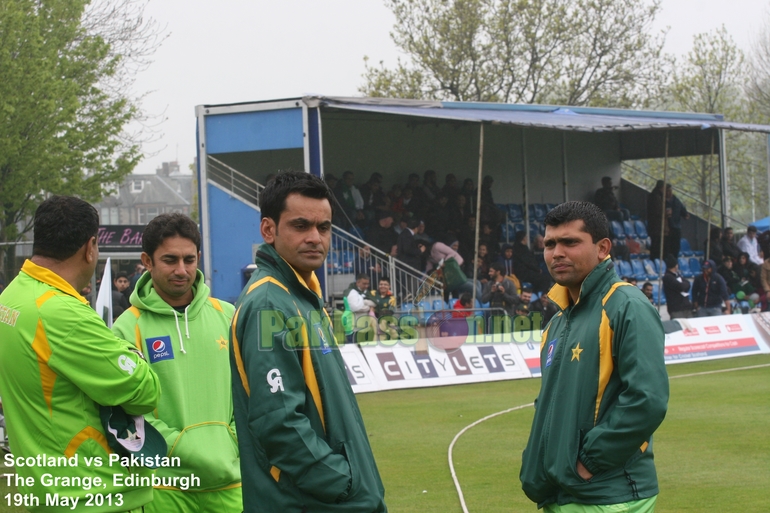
[(604, 387), (184, 333), (303, 442)]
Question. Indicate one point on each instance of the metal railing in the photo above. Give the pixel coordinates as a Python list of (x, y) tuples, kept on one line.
[(349, 254), (234, 181)]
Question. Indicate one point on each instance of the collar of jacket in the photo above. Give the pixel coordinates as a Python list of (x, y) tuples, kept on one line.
[(145, 297), (596, 279), (269, 258), (47, 276)]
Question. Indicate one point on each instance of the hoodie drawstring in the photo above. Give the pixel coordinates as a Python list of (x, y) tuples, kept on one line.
[(186, 327)]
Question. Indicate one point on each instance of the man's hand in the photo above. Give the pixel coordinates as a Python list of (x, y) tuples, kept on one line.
[(583, 471)]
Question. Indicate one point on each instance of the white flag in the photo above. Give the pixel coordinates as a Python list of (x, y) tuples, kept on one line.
[(103, 305)]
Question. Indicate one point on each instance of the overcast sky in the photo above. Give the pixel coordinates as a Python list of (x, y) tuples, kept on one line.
[(248, 50)]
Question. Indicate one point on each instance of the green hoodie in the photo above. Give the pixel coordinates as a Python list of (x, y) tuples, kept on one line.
[(604, 392), (189, 353)]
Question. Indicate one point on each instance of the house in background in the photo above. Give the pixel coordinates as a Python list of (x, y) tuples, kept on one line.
[(141, 197)]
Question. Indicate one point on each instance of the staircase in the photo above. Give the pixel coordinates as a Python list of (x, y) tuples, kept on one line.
[(348, 254)]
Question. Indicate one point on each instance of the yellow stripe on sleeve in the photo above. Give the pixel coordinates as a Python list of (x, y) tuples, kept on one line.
[(237, 352)]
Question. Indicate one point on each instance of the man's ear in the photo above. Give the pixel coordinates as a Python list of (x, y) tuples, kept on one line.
[(146, 261), (268, 229), (604, 245), (92, 251)]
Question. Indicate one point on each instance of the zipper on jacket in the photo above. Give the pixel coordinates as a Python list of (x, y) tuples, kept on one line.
[(558, 356)]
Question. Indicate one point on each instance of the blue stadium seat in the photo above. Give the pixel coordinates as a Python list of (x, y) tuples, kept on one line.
[(660, 266), (336, 262), (638, 270), (649, 269), (617, 230), (439, 304), (695, 267), (684, 267), (684, 248), (641, 230), (540, 211), (623, 268), (628, 227), (656, 293), (347, 262), (550, 206), (515, 213)]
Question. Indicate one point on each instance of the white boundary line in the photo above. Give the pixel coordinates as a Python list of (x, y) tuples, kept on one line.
[(521, 407)]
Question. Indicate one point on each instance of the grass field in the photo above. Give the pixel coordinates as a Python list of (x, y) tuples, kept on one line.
[(712, 451)]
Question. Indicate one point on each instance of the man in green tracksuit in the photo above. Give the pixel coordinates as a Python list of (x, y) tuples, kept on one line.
[(604, 387), (184, 334), (303, 442), (58, 363)]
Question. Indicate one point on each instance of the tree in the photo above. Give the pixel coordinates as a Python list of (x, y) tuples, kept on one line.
[(711, 79), (569, 52), (62, 113)]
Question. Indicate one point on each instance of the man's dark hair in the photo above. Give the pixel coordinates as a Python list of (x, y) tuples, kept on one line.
[(413, 223), (497, 266), (272, 199), (384, 278), (169, 225), (466, 298), (520, 236), (752, 229), (121, 274), (62, 225), (594, 221), (361, 276)]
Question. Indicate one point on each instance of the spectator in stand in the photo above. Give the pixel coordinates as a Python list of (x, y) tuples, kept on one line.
[(647, 291), (462, 307), (675, 212), (350, 200), (458, 212), (605, 199), (499, 292), (435, 252), (375, 199), (482, 261), (396, 196), (407, 249), (525, 263), (709, 292), (748, 244), (742, 268), (410, 205), (526, 296), (451, 190), (430, 186), (382, 235), (764, 275), (469, 191), (489, 238), (712, 247), (506, 260), (655, 219), (119, 300), (545, 307), (384, 300), (360, 298), (436, 217), (729, 247), (417, 199), (732, 280), (676, 290)]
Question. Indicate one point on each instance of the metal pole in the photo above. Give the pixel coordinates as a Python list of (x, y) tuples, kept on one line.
[(524, 191), (708, 200), (478, 214), (663, 218), (724, 179), (565, 180)]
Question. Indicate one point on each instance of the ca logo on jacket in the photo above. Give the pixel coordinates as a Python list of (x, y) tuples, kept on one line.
[(126, 363), (275, 380)]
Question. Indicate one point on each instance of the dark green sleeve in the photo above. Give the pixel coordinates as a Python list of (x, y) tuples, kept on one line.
[(640, 388), (282, 417)]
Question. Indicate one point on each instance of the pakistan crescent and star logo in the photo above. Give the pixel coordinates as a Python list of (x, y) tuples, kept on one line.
[(222, 342), (576, 352)]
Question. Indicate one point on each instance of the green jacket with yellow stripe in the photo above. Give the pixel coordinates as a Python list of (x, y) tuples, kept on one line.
[(58, 362), (303, 442), (188, 351), (604, 392)]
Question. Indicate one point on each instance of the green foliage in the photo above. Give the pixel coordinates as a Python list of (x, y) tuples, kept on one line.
[(576, 52), (711, 79), (60, 129)]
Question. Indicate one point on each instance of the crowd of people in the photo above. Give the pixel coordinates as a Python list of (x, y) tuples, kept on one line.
[(421, 224)]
